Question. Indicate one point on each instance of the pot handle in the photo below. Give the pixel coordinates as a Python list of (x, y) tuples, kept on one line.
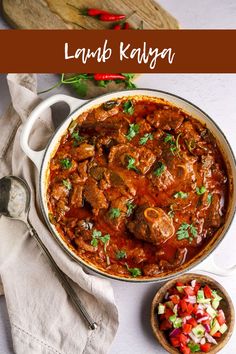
[(37, 156), (209, 266)]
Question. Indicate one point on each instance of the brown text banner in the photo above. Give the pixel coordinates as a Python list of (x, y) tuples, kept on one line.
[(163, 51)]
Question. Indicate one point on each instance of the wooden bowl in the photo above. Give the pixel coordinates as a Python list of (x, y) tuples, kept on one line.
[(226, 305)]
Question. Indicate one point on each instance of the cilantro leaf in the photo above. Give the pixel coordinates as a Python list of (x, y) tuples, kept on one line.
[(145, 138), (184, 229), (130, 207), (160, 169), (200, 190), (66, 163), (121, 254), (128, 107), (78, 138), (133, 130), (67, 184), (135, 272), (131, 164), (181, 195), (114, 213)]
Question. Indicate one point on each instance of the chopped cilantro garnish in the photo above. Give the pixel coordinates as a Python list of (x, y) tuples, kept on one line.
[(128, 107), (133, 130), (145, 138), (130, 207), (75, 135), (114, 213), (181, 195), (135, 272), (66, 163), (200, 190), (184, 229), (67, 184), (121, 254), (131, 164), (160, 169), (97, 236)]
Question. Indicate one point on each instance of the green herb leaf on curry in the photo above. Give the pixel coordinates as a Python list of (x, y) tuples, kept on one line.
[(143, 140), (200, 190), (66, 163), (121, 254), (185, 229), (159, 169), (135, 272), (130, 208), (131, 163), (128, 107), (114, 213), (181, 195), (67, 184), (133, 130), (209, 198)]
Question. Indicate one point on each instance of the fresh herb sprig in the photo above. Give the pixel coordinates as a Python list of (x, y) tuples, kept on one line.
[(134, 272), (133, 131), (159, 169), (144, 139), (181, 195), (185, 230), (128, 107)]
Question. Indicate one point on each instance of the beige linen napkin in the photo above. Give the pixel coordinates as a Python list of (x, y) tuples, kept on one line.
[(42, 318)]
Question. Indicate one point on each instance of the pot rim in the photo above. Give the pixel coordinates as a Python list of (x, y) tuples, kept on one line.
[(78, 259)]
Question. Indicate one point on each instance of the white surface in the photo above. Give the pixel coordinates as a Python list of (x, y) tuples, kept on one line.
[(216, 95)]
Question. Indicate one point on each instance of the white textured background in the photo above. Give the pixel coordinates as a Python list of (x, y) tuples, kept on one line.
[(215, 94)]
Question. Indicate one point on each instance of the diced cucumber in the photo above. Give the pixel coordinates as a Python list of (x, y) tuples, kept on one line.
[(215, 303), (198, 331), (194, 347), (161, 309), (211, 311), (172, 318), (178, 322), (170, 304), (216, 296), (215, 327), (223, 328), (180, 289), (201, 298)]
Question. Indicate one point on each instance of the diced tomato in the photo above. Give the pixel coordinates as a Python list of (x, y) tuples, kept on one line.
[(175, 299), (179, 283), (207, 322), (165, 325), (197, 287), (190, 309), (175, 342), (162, 317), (192, 321), (187, 328), (183, 305), (195, 308), (189, 291), (221, 317), (217, 335), (168, 313), (185, 350), (183, 339), (205, 347), (207, 292)]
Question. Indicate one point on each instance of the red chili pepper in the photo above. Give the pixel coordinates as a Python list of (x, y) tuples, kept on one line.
[(117, 27), (111, 17), (96, 12), (105, 77), (126, 26)]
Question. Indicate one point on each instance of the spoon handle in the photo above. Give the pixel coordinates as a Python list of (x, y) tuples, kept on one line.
[(64, 281)]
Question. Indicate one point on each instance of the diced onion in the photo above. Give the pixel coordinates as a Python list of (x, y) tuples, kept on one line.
[(194, 338), (203, 341), (207, 327), (193, 283), (210, 339), (204, 318), (191, 299), (175, 332), (166, 296)]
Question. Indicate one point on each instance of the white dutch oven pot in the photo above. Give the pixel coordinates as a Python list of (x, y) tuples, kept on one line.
[(204, 261)]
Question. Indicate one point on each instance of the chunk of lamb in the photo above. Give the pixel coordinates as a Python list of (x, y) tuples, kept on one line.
[(83, 152), (120, 205), (143, 157), (214, 215), (166, 118), (59, 191), (94, 196), (162, 181), (180, 257), (152, 225), (77, 196)]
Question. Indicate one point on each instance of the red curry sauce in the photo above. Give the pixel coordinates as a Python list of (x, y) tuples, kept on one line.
[(137, 187)]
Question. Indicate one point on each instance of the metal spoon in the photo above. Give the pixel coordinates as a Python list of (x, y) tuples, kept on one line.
[(15, 203)]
